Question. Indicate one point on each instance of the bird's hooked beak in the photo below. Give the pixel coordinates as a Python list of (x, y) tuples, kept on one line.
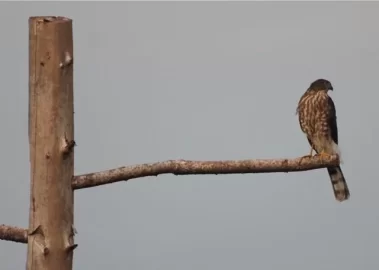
[(331, 88)]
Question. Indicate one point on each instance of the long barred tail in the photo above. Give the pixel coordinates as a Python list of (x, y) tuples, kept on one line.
[(340, 188)]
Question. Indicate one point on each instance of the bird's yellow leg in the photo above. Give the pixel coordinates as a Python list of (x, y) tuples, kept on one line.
[(310, 154)]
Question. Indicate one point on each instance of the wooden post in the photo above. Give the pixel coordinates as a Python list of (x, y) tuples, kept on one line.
[(51, 132)]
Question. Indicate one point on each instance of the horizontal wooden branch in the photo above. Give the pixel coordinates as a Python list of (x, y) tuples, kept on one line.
[(184, 167), (14, 234)]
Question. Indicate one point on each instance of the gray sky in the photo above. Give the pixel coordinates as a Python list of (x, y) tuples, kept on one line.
[(204, 81)]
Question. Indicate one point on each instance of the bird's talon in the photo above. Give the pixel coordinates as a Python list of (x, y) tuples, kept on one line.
[(323, 155)]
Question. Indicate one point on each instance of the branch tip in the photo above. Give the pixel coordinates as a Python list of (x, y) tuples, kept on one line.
[(36, 230), (45, 251), (70, 248), (67, 60), (68, 146)]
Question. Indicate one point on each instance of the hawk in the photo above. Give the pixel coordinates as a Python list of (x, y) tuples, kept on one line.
[(318, 120)]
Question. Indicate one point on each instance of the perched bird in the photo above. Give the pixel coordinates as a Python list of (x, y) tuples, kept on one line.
[(318, 120)]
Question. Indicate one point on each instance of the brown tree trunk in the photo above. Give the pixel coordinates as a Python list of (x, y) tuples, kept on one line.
[(51, 131)]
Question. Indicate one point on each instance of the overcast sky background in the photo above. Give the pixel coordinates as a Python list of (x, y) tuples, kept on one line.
[(204, 81)]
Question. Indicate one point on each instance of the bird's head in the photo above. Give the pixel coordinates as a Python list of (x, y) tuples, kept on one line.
[(321, 84)]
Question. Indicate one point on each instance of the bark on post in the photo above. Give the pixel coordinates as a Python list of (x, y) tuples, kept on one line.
[(51, 131)]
